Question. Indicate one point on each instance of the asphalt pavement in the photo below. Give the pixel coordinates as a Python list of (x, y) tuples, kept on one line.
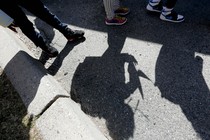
[(147, 79)]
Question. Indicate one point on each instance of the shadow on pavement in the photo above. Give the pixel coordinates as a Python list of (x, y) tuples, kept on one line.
[(57, 63), (21, 80), (99, 86), (180, 80), (99, 83)]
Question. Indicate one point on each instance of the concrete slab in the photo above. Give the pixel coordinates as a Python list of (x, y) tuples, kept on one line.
[(36, 87), (172, 79), (64, 120), (172, 72)]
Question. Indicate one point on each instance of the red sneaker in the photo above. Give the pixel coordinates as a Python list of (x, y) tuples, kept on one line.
[(122, 11), (117, 20)]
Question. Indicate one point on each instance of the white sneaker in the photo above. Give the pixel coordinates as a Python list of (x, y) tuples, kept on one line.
[(171, 17)]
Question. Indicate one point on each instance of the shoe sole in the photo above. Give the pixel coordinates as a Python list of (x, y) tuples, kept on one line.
[(116, 24), (150, 9), (165, 19), (76, 38), (123, 14)]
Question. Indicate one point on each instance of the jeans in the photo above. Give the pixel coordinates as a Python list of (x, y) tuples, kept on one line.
[(36, 7), (170, 3)]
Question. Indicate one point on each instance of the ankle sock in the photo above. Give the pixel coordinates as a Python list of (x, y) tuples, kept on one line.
[(166, 10), (154, 2)]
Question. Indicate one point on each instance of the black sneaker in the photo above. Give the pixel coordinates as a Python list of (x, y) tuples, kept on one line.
[(171, 17), (50, 51), (155, 6), (73, 35)]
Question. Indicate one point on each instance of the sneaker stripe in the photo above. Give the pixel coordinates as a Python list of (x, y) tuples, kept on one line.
[(170, 19)]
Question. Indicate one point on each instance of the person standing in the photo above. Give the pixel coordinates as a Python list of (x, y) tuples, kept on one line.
[(36, 7), (115, 13)]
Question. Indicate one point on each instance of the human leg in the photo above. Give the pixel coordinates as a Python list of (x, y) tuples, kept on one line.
[(155, 6), (166, 10), (40, 10), (109, 8), (14, 11), (168, 14), (111, 18)]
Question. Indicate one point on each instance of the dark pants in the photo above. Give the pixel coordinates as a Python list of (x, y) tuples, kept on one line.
[(170, 3), (36, 7)]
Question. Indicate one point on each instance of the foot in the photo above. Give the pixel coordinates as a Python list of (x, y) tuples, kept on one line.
[(122, 11), (117, 20), (50, 51), (155, 7), (12, 27), (171, 16), (73, 35)]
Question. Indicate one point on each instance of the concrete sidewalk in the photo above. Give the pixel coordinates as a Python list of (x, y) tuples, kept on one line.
[(58, 117), (164, 96), (145, 80)]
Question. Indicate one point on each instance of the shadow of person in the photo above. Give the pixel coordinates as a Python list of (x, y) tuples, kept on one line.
[(180, 80), (48, 34), (57, 63), (99, 86), (178, 72)]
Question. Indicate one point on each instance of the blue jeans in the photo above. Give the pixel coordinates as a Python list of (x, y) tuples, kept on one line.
[(36, 7)]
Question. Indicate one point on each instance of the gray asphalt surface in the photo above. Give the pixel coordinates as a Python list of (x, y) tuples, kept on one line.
[(148, 79)]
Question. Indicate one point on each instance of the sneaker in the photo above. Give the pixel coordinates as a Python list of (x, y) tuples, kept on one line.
[(50, 51), (155, 6), (73, 35), (122, 11), (117, 20), (172, 17)]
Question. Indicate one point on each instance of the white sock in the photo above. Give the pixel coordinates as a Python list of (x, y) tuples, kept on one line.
[(154, 2), (166, 10)]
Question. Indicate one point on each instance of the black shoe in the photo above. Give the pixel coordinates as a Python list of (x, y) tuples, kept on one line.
[(172, 17), (50, 51), (73, 35), (155, 6)]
